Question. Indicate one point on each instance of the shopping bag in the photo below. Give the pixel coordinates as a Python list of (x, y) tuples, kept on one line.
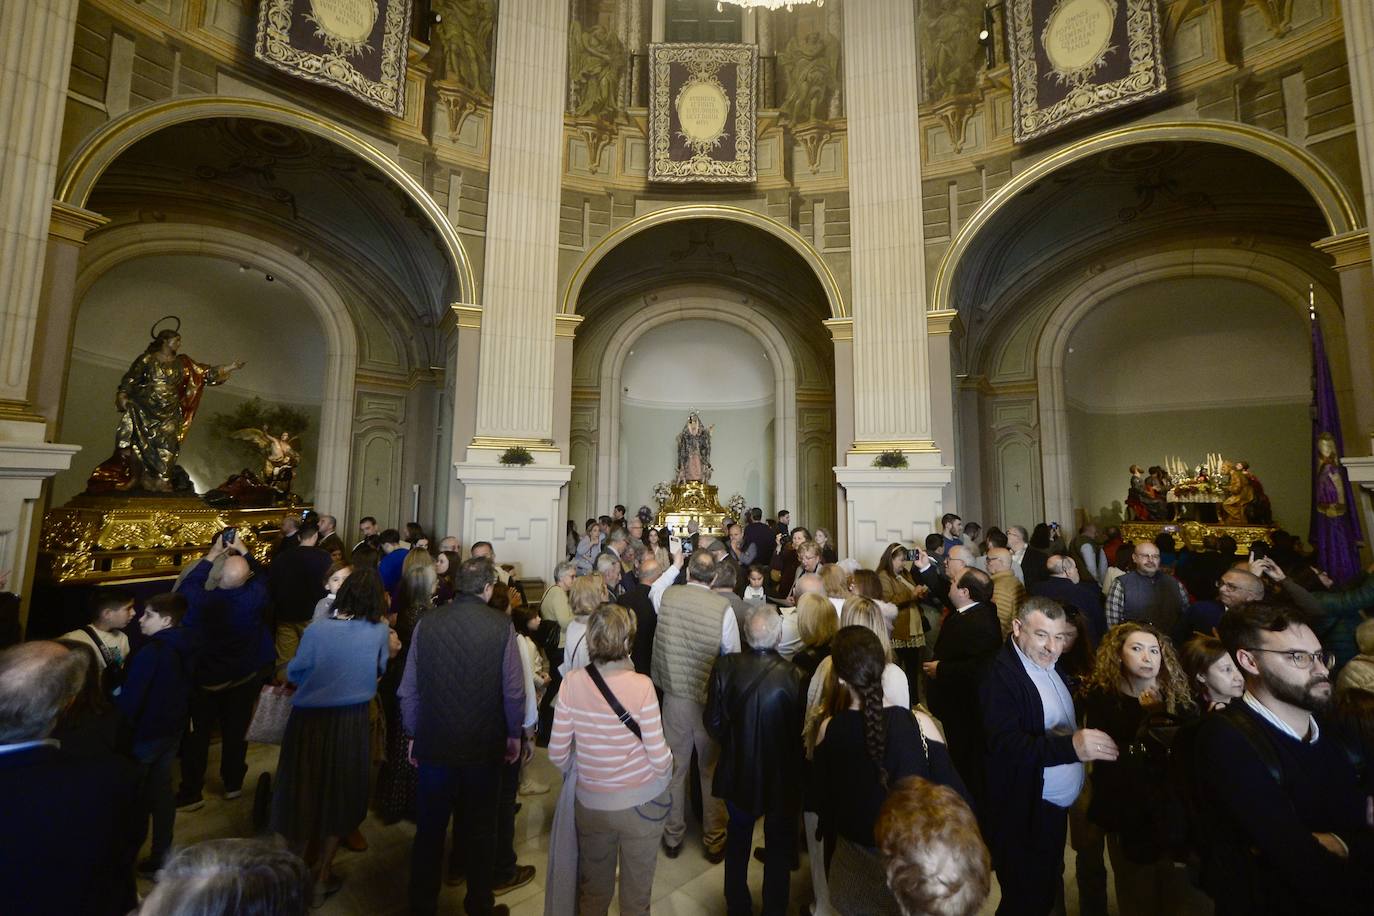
[(269, 718)]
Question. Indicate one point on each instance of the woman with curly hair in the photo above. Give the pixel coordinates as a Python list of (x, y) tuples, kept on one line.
[(1136, 682), (865, 748)]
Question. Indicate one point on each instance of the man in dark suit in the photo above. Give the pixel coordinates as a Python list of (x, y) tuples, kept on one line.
[(638, 601), (759, 535), (1063, 585), (1034, 769), (67, 844), (968, 641)]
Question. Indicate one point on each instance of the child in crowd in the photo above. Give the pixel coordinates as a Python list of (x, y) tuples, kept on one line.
[(156, 703), (527, 621), (111, 612), (753, 592)]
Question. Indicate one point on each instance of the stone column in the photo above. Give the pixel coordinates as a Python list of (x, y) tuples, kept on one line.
[(36, 37), (842, 336), (52, 344), (1350, 251), (892, 407), (514, 507), (464, 424), (940, 327), (1359, 52)]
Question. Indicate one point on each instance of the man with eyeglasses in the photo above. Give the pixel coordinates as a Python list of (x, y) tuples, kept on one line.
[(1146, 593), (1287, 813), (1234, 588)]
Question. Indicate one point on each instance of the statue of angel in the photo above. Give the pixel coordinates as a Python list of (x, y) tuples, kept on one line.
[(694, 451), (811, 64), (279, 454)]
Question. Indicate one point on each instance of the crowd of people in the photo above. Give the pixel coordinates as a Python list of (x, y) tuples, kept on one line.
[(1201, 720)]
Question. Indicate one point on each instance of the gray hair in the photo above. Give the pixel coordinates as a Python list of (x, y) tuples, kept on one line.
[(565, 568), (1047, 606), (605, 562), (618, 536), (247, 877), (965, 555), (649, 570), (809, 582), (37, 681), (763, 629), (1020, 532)]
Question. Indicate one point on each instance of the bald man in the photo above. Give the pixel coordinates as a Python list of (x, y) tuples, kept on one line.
[(1147, 593), (1007, 591), (238, 650)]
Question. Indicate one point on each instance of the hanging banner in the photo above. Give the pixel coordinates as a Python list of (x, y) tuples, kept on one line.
[(701, 112), (355, 46), (1072, 59)]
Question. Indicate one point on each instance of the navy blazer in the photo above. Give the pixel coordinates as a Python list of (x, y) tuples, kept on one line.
[(1018, 753)]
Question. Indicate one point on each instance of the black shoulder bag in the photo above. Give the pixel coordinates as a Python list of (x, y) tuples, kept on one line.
[(625, 718)]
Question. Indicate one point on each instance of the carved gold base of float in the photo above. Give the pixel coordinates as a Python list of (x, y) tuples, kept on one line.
[(1191, 533), (96, 540), (689, 502)]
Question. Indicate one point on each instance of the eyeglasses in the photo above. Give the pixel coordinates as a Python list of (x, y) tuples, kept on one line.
[(1302, 660)]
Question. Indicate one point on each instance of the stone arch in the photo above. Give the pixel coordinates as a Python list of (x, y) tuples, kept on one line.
[(781, 231), (102, 148), (1337, 206), (116, 246), (681, 305), (1264, 270)]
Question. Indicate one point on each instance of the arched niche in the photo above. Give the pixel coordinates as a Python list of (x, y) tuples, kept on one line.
[(121, 245)]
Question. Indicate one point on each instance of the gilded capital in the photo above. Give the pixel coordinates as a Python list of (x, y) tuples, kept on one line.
[(73, 224), (942, 321), (1349, 249)]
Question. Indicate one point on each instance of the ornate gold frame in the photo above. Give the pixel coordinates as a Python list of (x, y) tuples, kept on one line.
[(708, 59)]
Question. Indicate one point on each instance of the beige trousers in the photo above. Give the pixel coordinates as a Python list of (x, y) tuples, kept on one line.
[(629, 835), (684, 731)]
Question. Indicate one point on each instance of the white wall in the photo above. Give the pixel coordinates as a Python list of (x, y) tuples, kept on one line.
[(716, 369), (1186, 367), (226, 314)]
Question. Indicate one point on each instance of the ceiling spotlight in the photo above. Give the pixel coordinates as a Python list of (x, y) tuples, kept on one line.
[(270, 278)]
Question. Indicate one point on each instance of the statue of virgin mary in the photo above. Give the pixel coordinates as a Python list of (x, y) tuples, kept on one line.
[(694, 451)]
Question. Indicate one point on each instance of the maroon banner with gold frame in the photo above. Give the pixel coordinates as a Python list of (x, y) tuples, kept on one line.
[(1072, 59), (701, 113), (356, 46)]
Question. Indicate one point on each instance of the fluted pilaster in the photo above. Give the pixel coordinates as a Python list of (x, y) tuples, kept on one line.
[(1359, 47), (891, 368), (36, 37), (519, 295)]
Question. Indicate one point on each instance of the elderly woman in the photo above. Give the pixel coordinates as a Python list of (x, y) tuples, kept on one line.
[(623, 766), (588, 593)]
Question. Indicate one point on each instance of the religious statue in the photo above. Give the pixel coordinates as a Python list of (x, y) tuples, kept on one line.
[(950, 53), (1146, 495), (1261, 511), (279, 453), (464, 27), (811, 63), (1330, 487), (157, 398), (694, 451), (596, 64), (1239, 495)]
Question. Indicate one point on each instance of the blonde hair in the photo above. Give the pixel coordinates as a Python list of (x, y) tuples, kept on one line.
[(836, 580), (588, 593), (416, 558), (933, 854), (1107, 674), (610, 633), (863, 612), (816, 619)]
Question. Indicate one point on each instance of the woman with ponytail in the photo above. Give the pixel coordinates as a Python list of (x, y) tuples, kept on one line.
[(864, 749)]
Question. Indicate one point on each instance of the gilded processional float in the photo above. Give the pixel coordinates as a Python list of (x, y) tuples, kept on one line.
[(691, 503), (140, 516), (1218, 496)]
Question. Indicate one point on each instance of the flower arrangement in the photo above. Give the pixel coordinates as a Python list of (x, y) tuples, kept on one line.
[(892, 458), (516, 455), (737, 506), (662, 490)]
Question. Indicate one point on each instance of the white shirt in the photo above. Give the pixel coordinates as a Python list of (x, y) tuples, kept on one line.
[(791, 642), (1313, 732), (527, 650), (755, 595)]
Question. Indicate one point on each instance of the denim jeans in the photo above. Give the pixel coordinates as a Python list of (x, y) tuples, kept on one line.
[(155, 798)]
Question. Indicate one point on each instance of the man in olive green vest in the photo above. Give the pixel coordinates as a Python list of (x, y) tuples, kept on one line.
[(695, 625)]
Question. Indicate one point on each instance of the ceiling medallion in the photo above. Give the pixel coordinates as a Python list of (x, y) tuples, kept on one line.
[(767, 4)]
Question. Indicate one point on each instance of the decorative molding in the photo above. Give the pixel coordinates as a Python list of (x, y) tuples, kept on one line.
[(73, 224), (565, 326), (751, 404), (501, 443), (942, 322), (468, 316), (840, 328), (1212, 403), (1348, 249), (873, 446)]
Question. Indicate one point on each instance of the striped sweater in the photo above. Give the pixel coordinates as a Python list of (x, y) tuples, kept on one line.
[(615, 770)]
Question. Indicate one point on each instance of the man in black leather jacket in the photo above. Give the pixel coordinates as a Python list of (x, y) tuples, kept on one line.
[(754, 709)]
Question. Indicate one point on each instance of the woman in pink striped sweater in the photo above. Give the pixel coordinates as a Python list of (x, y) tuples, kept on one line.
[(622, 777)]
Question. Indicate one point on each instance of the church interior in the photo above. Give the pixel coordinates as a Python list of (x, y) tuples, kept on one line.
[(481, 259)]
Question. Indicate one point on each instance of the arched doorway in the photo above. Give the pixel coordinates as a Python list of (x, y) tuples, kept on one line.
[(751, 278), (279, 193), (1190, 207)]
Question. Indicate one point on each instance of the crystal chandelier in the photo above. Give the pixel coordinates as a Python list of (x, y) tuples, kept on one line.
[(767, 4)]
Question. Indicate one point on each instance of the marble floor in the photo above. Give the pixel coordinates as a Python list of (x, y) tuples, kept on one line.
[(375, 880)]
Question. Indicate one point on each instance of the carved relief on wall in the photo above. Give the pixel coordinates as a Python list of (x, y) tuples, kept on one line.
[(952, 61), (463, 36), (597, 59), (809, 70)]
